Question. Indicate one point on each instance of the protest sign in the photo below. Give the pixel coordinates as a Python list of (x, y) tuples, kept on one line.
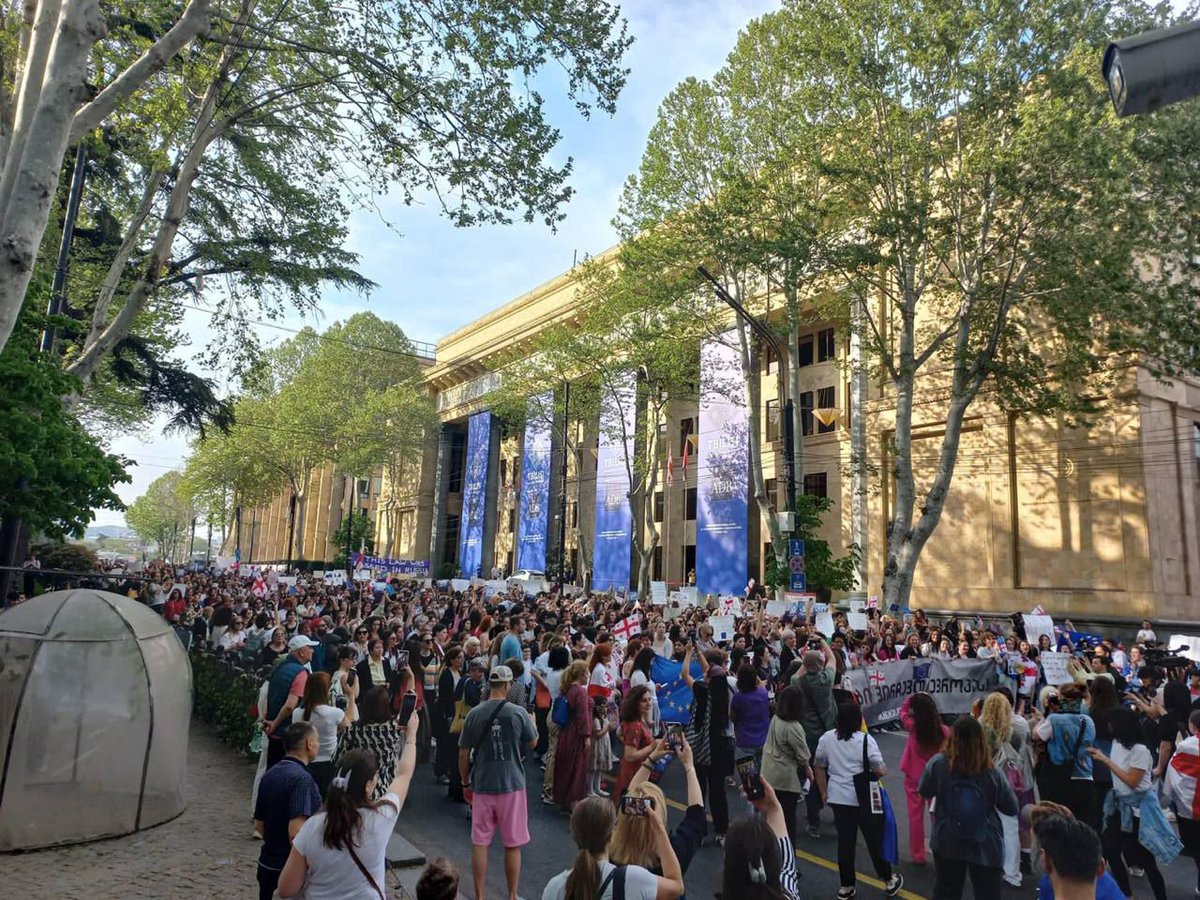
[(493, 588), (658, 593), (671, 612), (729, 605), (820, 607), (1054, 666), (824, 623), (1036, 626), (691, 593), (858, 621), (318, 575), (873, 601), (334, 577), (287, 580), (954, 684), (722, 627), (857, 606), (362, 575), (459, 584), (777, 608)]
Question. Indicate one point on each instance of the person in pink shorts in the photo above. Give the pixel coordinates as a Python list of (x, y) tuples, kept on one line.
[(489, 760)]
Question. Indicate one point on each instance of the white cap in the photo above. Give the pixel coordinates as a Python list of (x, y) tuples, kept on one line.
[(300, 641)]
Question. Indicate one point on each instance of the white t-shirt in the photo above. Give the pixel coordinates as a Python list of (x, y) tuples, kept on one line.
[(1146, 635), (640, 884), (638, 678), (326, 720), (843, 760), (332, 874), (1137, 758), (601, 677), (231, 641)]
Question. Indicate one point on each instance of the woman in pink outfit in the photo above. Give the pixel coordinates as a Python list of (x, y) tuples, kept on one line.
[(926, 736)]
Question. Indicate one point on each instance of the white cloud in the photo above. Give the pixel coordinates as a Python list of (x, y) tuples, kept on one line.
[(434, 278)]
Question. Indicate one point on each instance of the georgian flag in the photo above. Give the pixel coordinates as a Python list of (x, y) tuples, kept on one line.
[(259, 588), (627, 628)]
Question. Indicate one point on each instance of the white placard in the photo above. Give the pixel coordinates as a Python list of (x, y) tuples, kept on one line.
[(492, 588), (858, 621), (1036, 626), (728, 605), (824, 623), (318, 574), (1054, 665), (658, 593), (671, 612), (722, 627), (460, 584), (363, 575), (857, 606), (287, 580), (777, 608), (691, 593), (1188, 644), (820, 608)]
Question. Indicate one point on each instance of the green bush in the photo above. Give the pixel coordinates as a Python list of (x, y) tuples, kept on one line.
[(225, 698), (72, 557)]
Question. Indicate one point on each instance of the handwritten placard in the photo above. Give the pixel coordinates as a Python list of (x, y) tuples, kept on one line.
[(824, 622), (1054, 665), (722, 627), (858, 621)]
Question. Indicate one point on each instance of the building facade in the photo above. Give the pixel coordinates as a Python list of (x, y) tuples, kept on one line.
[(1099, 520)]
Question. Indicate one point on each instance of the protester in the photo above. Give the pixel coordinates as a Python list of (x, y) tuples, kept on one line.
[(637, 740), (760, 863), (816, 680), (276, 647), (557, 662), (1102, 700), (489, 760), (640, 675), (710, 733), (1071, 857), (1065, 773), (1182, 789), (317, 707), (438, 881), (1132, 806), (840, 756), (750, 713), (926, 737), (572, 772), (1005, 745), (340, 853), (287, 797), (786, 756), (969, 795), (378, 731), (593, 877), (287, 684)]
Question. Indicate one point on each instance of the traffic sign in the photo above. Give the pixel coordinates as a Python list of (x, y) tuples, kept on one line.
[(799, 582), (795, 547), (796, 565)]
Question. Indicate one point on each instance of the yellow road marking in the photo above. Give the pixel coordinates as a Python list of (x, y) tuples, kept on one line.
[(820, 861)]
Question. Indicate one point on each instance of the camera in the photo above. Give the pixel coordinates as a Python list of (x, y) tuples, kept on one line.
[(1153, 69)]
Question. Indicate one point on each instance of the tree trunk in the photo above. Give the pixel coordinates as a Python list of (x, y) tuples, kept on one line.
[(858, 447), (649, 530), (793, 352)]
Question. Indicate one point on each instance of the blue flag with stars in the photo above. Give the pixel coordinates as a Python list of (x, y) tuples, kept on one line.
[(675, 698)]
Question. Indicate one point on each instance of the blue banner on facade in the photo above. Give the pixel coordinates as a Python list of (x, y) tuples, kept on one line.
[(614, 520), (387, 564), (474, 498), (535, 485), (722, 471)]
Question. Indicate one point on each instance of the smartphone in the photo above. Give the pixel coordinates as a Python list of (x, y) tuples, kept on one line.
[(401, 658), (351, 677), (675, 736), (751, 781), (407, 705), (637, 806)]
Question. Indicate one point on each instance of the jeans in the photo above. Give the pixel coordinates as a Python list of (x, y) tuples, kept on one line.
[(788, 801), (850, 822), (952, 878), (1122, 848)]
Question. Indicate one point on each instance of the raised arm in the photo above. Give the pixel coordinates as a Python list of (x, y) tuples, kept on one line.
[(408, 759), (687, 665)]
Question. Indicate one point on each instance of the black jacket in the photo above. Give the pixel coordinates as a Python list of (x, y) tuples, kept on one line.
[(364, 675)]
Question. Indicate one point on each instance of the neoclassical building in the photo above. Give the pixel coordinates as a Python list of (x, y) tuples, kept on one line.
[(1099, 520)]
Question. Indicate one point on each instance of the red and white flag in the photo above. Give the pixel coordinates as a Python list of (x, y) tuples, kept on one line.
[(627, 628), (1037, 611), (259, 588)]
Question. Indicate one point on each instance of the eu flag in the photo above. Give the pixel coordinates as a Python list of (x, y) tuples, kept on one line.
[(675, 697)]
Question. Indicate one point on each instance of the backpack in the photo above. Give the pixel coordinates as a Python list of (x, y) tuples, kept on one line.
[(1008, 763), (965, 808), (560, 712)]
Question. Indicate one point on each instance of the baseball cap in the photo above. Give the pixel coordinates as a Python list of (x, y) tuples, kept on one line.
[(477, 663), (501, 675), (299, 642)]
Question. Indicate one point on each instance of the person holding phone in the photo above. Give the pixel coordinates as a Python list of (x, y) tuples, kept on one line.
[(377, 730), (760, 863)]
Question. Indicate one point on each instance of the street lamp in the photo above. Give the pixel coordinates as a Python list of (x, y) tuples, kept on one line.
[(1153, 69), (789, 432)]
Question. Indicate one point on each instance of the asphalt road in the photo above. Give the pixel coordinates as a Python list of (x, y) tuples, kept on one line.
[(441, 828)]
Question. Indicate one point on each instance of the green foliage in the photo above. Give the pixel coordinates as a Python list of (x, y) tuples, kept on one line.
[(64, 555), (163, 516), (362, 534), (224, 698), (52, 472)]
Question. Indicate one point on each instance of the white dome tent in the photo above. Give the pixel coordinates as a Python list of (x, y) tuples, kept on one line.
[(95, 701)]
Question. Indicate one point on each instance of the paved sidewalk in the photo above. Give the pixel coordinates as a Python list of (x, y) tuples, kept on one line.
[(206, 852)]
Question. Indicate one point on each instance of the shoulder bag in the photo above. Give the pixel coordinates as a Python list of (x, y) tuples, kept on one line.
[(366, 872), (864, 787), (617, 878)]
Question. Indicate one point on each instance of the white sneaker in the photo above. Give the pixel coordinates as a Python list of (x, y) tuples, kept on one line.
[(1137, 871)]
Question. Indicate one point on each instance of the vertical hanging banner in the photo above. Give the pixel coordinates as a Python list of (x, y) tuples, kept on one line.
[(722, 520), (474, 500), (535, 485), (614, 520)]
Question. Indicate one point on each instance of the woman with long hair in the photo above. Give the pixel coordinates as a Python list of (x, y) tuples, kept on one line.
[(635, 840), (636, 737), (339, 854), (838, 760), (1006, 745), (1173, 724), (558, 661), (570, 773), (786, 757), (446, 758), (317, 707), (1131, 764), (378, 731), (602, 683), (926, 736), (640, 674), (592, 876), (1102, 700), (969, 795), (760, 863), (713, 732)]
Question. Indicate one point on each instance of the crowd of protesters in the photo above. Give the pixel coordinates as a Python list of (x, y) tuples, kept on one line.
[(1099, 774)]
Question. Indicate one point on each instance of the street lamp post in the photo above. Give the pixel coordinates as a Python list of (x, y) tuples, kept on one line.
[(1153, 69), (787, 408)]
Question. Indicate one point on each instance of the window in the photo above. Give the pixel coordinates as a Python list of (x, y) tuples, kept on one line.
[(508, 569), (806, 350), (503, 472), (687, 428), (573, 515), (816, 484), (691, 504), (772, 487), (826, 348), (364, 487), (512, 521), (806, 416), (658, 564), (774, 431), (658, 506), (825, 400)]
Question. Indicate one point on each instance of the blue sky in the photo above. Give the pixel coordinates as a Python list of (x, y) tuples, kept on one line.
[(434, 278)]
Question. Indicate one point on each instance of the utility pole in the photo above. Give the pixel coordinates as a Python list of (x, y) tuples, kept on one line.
[(58, 289), (858, 445), (562, 491)]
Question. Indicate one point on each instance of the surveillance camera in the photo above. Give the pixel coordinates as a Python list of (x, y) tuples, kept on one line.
[(1153, 69)]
